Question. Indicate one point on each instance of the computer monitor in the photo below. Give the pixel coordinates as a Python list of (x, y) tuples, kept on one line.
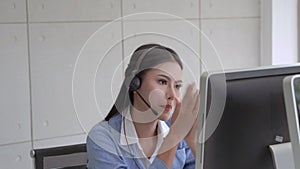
[(253, 117), (291, 88)]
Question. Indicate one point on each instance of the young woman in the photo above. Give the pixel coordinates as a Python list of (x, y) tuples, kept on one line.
[(149, 126)]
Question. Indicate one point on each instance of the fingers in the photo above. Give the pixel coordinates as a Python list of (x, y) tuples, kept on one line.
[(197, 103), (191, 98), (176, 112), (177, 100), (189, 105)]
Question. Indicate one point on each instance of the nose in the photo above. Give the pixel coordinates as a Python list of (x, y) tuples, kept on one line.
[(170, 93)]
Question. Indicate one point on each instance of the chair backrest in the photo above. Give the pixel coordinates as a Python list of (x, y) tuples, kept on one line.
[(64, 157)]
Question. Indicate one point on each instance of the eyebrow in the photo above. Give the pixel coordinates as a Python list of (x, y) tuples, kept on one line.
[(167, 77)]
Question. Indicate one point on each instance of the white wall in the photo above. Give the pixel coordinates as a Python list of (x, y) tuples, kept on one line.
[(279, 32), (40, 48), (233, 26)]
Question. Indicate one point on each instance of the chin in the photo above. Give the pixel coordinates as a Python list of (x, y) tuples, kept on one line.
[(165, 116)]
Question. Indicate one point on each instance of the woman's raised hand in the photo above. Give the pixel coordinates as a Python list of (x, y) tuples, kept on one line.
[(183, 125), (184, 121)]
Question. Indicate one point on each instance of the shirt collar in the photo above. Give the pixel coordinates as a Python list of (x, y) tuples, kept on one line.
[(130, 136)]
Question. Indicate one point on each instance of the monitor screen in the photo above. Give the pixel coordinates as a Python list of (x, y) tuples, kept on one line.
[(253, 118)]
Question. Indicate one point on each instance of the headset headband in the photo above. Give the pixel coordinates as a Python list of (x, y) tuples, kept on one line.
[(134, 72)]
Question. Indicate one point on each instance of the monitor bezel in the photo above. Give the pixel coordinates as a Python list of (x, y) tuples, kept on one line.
[(231, 75), (292, 115)]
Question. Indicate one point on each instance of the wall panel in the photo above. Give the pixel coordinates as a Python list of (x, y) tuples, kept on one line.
[(230, 8), (54, 50), (14, 98), (235, 40), (188, 9), (16, 156), (12, 11), (73, 10)]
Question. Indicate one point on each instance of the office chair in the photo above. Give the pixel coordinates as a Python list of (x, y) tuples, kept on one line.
[(64, 157)]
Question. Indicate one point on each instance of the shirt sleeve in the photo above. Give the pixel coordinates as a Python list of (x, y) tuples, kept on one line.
[(98, 158)]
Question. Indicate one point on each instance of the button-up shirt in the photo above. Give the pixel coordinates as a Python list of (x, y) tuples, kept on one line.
[(108, 148), (130, 137)]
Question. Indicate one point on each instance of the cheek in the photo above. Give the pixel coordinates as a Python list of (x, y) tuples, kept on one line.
[(157, 97)]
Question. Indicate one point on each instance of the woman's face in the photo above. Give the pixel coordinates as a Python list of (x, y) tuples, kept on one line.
[(161, 89)]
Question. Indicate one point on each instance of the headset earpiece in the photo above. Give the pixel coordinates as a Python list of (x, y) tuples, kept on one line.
[(135, 84)]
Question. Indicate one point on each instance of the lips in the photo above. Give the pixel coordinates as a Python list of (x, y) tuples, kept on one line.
[(168, 107)]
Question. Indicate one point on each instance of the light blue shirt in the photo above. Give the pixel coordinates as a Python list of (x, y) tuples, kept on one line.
[(105, 150), (130, 137)]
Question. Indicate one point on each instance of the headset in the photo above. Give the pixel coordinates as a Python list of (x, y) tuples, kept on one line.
[(135, 82)]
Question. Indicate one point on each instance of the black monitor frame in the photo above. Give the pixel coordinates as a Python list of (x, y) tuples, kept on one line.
[(254, 117)]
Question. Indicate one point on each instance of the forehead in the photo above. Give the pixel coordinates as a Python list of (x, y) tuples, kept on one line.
[(171, 69)]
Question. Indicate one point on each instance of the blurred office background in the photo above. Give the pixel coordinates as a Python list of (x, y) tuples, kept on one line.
[(40, 41)]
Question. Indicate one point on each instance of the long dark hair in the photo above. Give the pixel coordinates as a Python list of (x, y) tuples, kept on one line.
[(142, 59)]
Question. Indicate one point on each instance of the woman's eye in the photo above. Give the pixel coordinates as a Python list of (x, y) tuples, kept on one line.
[(178, 86), (162, 82)]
